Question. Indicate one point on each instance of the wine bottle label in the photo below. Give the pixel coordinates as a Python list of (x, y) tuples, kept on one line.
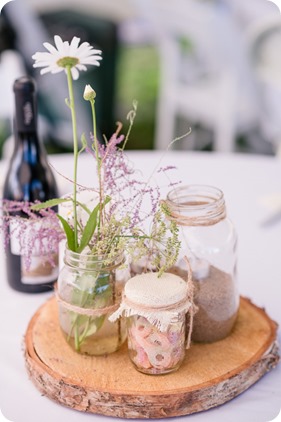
[(39, 270), (38, 264)]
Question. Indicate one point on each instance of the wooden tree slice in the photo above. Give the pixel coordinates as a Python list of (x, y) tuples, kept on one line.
[(211, 374)]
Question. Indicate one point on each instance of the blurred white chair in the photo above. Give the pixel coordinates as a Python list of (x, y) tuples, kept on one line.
[(212, 84), (11, 68), (265, 45)]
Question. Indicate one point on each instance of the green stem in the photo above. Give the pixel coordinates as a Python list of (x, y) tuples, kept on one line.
[(95, 129), (98, 160), (75, 151), (131, 116), (85, 332), (132, 236)]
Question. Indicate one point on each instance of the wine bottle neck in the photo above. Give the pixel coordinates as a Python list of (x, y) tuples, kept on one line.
[(25, 105), (26, 114)]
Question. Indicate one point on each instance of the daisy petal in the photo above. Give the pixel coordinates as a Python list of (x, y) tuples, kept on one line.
[(42, 56), (84, 44), (91, 60), (81, 66), (57, 69), (59, 43), (46, 70), (41, 64), (75, 42), (88, 53), (96, 51), (75, 73), (50, 48), (66, 48)]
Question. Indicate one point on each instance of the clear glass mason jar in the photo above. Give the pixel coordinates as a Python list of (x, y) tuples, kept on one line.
[(155, 352), (156, 309), (88, 290), (208, 241)]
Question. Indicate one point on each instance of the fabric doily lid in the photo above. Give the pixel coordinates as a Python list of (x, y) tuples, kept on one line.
[(159, 299), (151, 290)]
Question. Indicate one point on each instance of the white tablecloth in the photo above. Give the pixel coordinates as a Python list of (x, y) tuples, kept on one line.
[(246, 181)]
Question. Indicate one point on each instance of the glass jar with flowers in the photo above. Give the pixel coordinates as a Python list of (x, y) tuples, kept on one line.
[(101, 238), (89, 289)]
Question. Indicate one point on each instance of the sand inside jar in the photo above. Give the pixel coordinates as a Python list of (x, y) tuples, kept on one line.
[(217, 300)]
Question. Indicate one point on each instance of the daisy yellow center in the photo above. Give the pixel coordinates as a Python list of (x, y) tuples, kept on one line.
[(67, 61)]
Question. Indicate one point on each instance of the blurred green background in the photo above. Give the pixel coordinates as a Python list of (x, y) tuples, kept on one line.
[(138, 78)]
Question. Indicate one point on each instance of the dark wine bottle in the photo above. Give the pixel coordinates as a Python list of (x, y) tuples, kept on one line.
[(29, 178)]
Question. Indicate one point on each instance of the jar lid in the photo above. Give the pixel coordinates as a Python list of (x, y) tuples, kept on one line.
[(151, 290), (159, 299)]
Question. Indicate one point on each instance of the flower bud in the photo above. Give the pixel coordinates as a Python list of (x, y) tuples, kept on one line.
[(89, 93)]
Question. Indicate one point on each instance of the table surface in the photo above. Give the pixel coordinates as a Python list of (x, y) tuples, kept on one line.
[(251, 184)]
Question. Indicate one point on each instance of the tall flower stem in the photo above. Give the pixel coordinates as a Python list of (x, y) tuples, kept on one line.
[(75, 150), (96, 148)]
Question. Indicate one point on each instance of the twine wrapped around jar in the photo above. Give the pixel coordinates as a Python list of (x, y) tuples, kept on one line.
[(187, 208), (91, 312)]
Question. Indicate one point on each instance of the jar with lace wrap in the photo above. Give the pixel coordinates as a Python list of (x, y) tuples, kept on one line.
[(208, 242), (89, 289), (156, 309)]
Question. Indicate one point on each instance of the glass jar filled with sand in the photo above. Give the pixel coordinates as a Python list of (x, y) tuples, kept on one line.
[(208, 244)]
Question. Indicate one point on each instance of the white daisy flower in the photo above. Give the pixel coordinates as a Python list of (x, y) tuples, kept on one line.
[(66, 54)]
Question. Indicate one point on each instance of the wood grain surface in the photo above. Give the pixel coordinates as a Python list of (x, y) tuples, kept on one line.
[(211, 374)]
